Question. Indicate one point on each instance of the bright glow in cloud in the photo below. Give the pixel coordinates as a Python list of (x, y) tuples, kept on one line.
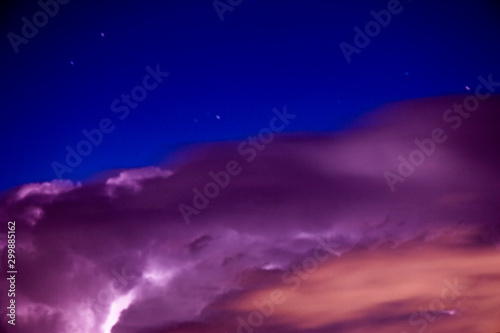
[(117, 306), (159, 276)]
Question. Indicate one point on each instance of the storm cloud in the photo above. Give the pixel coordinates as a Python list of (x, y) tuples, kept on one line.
[(308, 237)]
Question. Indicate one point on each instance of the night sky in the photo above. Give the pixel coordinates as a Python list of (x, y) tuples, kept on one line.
[(251, 166), (262, 55)]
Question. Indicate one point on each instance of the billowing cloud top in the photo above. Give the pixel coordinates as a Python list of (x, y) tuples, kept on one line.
[(390, 226)]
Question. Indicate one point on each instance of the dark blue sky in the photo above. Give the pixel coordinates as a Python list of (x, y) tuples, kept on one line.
[(264, 54)]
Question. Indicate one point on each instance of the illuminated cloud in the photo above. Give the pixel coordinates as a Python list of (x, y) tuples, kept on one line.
[(115, 253), (132, 178), (47, 189)]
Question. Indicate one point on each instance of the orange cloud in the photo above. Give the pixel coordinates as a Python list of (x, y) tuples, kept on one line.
[(388, 288)]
